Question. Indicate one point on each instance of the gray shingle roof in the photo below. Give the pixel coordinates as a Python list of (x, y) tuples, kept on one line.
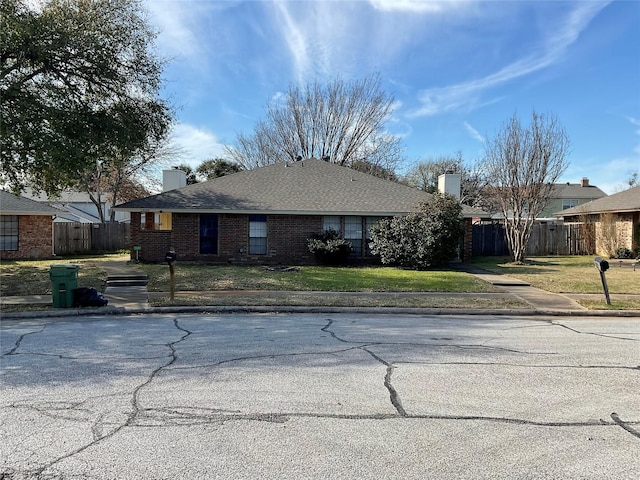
[(626, 201), (11, 204), (309, 187), (577, 191)]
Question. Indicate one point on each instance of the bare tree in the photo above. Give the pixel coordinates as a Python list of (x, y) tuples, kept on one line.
[(424, 176), (123, 177), (341, 121), (522, 163)]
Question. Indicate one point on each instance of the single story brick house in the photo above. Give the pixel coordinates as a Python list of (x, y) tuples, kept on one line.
[(616, 219), (26, 227), (266, 215)]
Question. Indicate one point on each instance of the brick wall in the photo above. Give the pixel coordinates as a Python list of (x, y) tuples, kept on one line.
[(35, 238), (608, 241), (467, 249), (286, 239), (154, 243)]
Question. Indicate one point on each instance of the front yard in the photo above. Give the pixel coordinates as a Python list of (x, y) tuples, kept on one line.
[(575, 274), (196, 277), (554, 274)]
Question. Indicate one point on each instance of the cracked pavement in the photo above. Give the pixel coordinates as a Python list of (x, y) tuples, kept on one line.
[(319, 396)]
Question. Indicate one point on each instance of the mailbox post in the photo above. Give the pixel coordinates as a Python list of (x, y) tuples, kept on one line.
[(602, 266), (170, 257)]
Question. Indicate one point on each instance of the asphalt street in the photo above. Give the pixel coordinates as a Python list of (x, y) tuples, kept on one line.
[(320, 396)]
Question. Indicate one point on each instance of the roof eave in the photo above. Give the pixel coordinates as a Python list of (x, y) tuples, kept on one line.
[(24, 212)]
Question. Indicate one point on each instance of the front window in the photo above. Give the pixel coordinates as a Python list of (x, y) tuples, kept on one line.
[(9, 232), (209, 233), (353, 233), (257, 234), (155, 221), (369, 222), (331, 222)]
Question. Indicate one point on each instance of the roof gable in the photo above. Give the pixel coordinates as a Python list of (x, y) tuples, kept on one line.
[(11, 204), (311, 187)]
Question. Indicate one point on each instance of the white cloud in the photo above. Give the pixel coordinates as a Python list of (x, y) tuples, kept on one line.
[(195, 144), (636, 150), (469, 95), (473, 132), (419, 6), (296, 41), (176, 35)]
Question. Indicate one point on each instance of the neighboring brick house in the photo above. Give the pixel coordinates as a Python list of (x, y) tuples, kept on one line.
[(26, 227), (266, 215), (616, 219)]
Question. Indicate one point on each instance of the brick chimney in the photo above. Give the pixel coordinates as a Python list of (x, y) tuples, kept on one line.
[(584, 182)]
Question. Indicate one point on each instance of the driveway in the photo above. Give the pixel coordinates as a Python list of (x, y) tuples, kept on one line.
[(320, 397)]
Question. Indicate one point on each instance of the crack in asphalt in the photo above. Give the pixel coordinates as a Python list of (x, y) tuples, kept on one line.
[(393, 394), (523, 365), (625, 425), (266, 355), (140, 417), (603, 335), (20, 339), (135, 403), (174, 416)]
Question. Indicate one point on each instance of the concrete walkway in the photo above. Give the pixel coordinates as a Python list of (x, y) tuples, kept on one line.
[(538, 299), (126, 285)]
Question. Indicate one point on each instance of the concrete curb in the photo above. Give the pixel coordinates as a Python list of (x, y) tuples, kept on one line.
[(77, 312)]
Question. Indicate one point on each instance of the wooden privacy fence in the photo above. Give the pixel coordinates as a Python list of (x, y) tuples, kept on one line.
[(546, 239), (72, 237)]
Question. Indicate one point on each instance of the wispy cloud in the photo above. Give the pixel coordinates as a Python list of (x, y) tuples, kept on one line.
[(295, 40), (636, 122), (176, 35), (419, 6), (473, 132), (470, 95), (316, 35), (195, 144)]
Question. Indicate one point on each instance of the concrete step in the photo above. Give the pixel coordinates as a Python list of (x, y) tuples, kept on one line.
[(128, 276), (133, 282), (127, 280)]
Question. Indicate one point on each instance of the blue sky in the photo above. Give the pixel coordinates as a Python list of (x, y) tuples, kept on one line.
[(458, 70)]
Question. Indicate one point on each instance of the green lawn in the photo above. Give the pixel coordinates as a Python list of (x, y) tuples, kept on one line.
[(194, 277), (554, 274), (31, 277), (575, 274)]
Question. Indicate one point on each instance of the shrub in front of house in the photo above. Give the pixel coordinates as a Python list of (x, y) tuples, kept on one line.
[(425, 239), (622, 252), (329, 247)]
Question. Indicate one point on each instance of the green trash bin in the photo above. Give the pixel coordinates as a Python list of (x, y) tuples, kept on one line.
[(64, 279)]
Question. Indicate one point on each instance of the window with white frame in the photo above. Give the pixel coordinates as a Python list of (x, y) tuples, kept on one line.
[(9, 228), (569, 203), (257, 234)]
